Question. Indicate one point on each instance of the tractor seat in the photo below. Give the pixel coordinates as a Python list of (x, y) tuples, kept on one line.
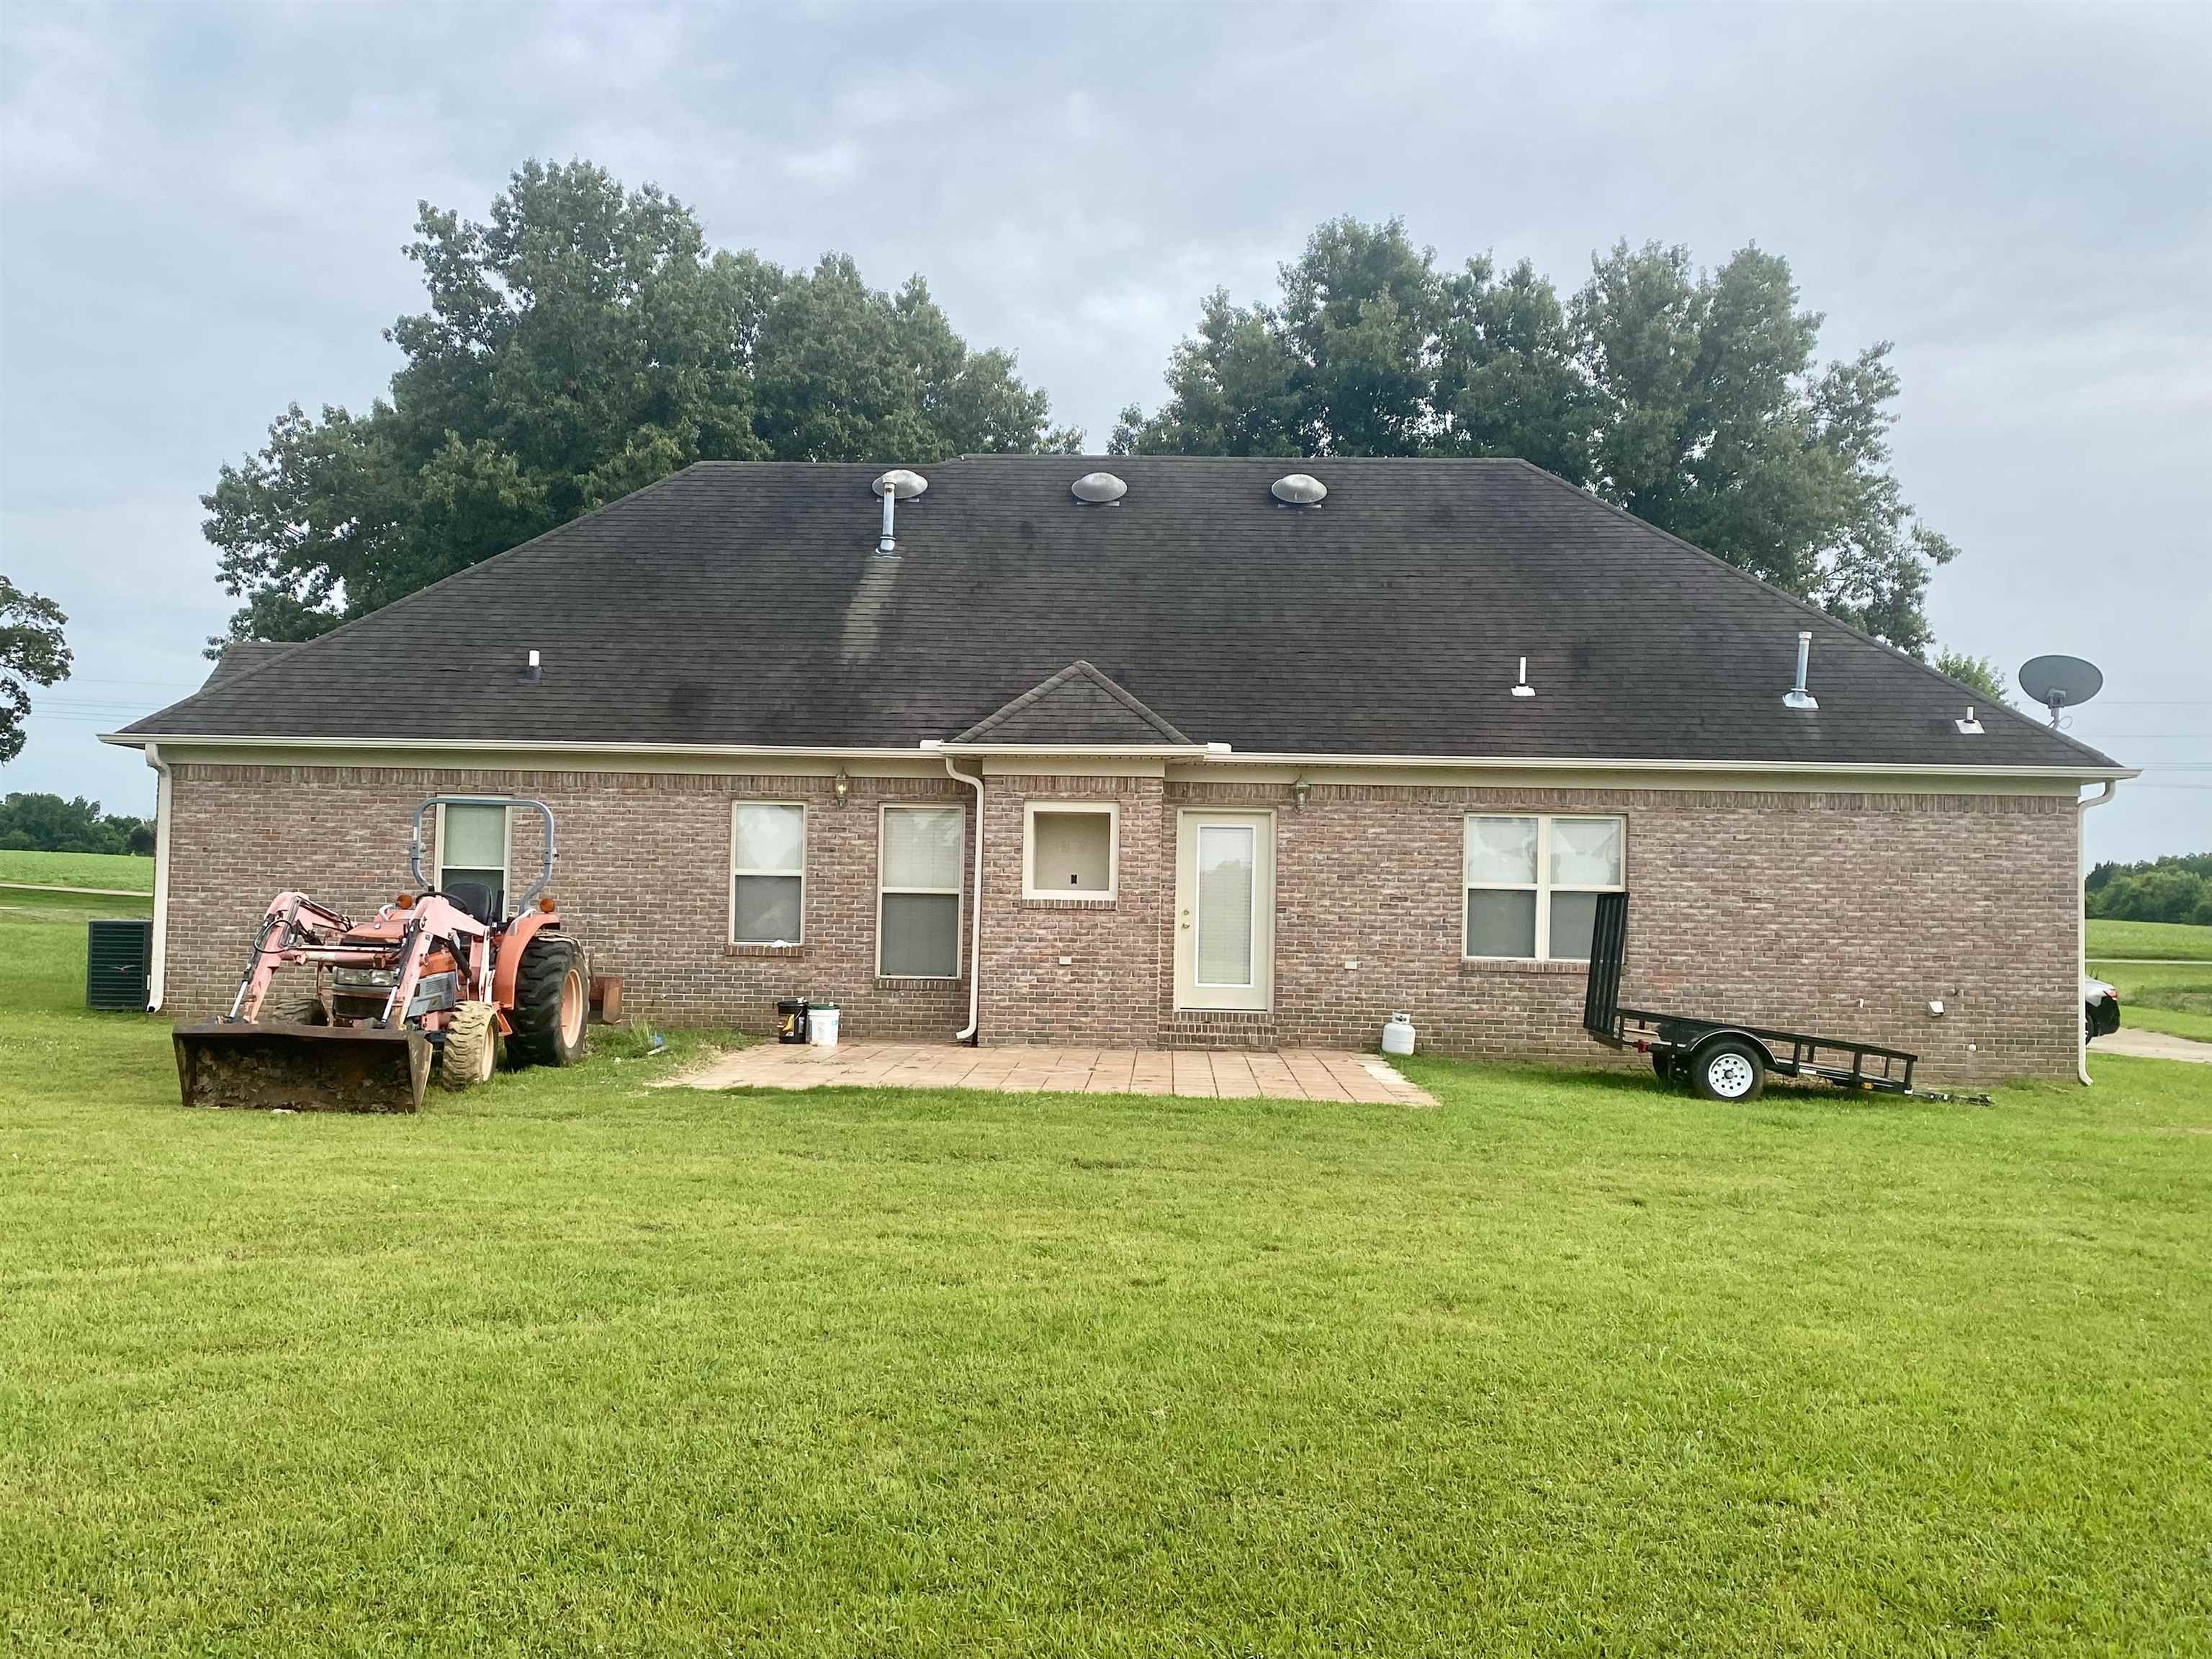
[(479, 899)]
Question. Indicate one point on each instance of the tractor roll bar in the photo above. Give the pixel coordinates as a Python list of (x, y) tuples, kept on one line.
[(416, 848)]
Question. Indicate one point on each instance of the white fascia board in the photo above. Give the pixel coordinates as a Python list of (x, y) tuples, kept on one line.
[(1210, 754), (1146, 750), (1552, 764), (516, 745)]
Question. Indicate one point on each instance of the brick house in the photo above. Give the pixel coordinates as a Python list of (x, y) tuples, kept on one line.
[(1201, 755)]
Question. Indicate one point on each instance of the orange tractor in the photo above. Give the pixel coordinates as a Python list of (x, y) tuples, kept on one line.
[(362, 1013)]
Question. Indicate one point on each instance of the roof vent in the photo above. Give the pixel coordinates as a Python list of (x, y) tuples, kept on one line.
[(1099, 488), (1298, 490), (1969, 727), (1520, 687), (1797, 697), (895, 486)]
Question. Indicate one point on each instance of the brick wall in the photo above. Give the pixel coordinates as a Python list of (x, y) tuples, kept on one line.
[(1836, 914), (1107, 995), (643, 878), (1843, 913)]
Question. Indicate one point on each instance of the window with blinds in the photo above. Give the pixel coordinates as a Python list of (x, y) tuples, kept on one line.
[(472, 847), (918, 892), (1532, 884), (768, 873)]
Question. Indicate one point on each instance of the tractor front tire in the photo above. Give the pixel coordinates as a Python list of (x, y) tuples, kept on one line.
[(471, 1047), (292, 999), (552, 1001)]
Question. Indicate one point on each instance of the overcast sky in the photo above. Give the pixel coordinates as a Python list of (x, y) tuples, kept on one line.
[(202, 210)]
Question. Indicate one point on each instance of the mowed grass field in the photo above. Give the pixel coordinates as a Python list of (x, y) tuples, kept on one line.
[(1567, 1366), (2174, 993), (115, 870), (2170, 941)]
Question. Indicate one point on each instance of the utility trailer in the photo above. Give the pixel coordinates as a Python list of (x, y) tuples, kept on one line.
[(1719, 1059)]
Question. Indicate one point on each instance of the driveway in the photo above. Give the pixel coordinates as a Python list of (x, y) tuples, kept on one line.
[(2151, 1045)]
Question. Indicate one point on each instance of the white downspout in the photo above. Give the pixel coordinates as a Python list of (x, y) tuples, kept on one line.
[(2081, 926), (154, 985), (975, 924)]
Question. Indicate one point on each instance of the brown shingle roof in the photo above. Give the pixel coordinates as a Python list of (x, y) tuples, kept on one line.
[(743, 603)]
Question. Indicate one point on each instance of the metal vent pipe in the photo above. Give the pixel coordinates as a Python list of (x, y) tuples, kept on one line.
[(1798, 696)]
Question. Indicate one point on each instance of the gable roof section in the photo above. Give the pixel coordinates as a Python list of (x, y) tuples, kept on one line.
[(1079, 706), (743, 604), (240, 655)]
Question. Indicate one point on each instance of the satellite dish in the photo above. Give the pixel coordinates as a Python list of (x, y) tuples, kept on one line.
[(2059, 682)]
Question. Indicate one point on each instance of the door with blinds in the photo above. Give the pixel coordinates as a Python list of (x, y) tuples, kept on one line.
[(1225, 910)]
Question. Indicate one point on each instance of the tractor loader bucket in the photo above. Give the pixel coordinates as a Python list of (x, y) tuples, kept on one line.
[(304, 1068)]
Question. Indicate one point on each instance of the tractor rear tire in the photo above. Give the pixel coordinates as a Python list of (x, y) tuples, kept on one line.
[(470, 1048), (552, 1002), (293, 999)]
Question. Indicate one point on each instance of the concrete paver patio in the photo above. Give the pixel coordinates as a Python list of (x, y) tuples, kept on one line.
[(1289, 1074)]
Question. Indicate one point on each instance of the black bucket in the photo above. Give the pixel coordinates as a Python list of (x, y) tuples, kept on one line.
[(791, 1020)]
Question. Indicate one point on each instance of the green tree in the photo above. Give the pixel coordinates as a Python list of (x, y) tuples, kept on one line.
[(47, 823), (1980, 673), (580, 342), (31, 653), (2172, 889), (1692, 399)]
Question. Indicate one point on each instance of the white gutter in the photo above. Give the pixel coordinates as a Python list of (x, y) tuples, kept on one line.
[(1175, 750), (1571, 763), (1212, 754), (156, 980), (975, 923), (2081, 857), (519, 745)]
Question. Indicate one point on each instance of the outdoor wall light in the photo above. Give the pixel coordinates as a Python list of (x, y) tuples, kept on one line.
[(841, 785), (1300, 788)]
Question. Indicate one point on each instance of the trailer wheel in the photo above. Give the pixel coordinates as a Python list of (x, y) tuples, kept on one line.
[(552, 1000), (470, 1048), (292, 1000), (1729, 1069)]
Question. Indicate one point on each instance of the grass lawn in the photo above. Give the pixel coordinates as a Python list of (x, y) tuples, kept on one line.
[(77, 870), (1567, 1365), (2169, 941), (2162, 996)]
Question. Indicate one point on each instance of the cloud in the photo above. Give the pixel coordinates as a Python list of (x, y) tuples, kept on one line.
[(204, 207), (838, 162)]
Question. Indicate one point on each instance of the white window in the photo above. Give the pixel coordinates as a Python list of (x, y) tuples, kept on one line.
[(473, 844), (1071, 850), (768, 873), (918, 892), (1532, 884)]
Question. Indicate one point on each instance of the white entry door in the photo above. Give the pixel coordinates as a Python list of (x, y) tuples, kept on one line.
[(1225, 910)]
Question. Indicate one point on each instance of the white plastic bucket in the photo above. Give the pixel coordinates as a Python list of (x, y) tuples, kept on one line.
[(822, 1025)]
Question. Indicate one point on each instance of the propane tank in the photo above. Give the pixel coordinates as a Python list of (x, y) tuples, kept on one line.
[(1398, 1034)]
